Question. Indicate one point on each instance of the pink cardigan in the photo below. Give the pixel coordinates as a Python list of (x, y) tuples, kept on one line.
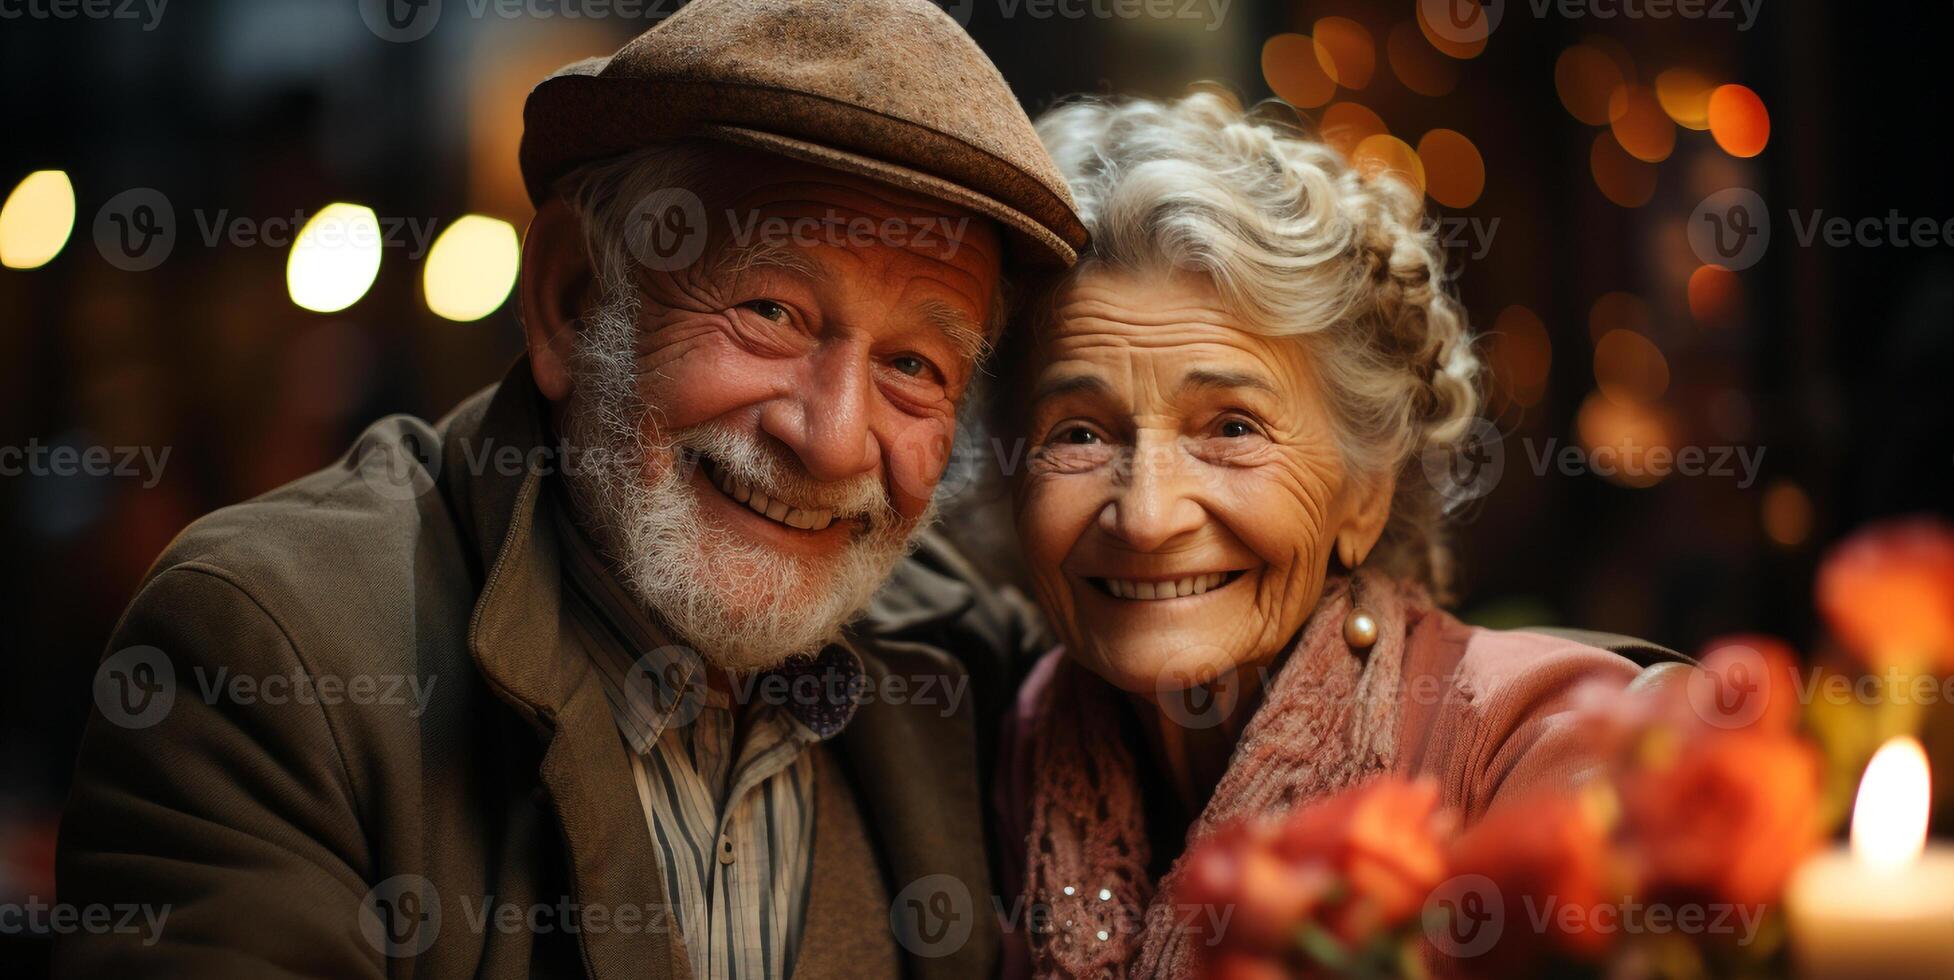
[(1485, 712)]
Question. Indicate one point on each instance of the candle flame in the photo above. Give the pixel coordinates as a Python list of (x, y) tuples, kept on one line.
[(1889, 818)]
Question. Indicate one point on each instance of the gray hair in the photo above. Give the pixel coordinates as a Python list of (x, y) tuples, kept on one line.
[(1299, 244)]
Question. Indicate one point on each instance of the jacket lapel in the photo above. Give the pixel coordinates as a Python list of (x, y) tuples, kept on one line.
[(514, 636)]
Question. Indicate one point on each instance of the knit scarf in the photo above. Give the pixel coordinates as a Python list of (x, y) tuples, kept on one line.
[(1328, 721)]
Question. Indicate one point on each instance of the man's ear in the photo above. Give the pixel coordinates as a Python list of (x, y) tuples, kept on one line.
[(1367, 508), (557, 283)]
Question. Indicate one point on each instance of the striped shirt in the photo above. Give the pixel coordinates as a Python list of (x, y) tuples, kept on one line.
[(732, 816)]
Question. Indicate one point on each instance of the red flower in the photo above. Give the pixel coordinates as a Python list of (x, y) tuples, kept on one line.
[(1382, 840), (1549, 856), (1748, 680), (1722, 815), (1888, 593)]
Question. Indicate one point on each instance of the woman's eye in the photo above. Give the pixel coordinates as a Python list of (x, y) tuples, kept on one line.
[(768, 309), (1079, 435)]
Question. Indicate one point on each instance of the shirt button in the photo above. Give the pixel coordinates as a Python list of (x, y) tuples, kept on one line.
[(725, 849)]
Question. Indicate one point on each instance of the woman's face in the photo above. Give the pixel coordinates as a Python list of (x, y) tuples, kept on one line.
[(1183, 493)]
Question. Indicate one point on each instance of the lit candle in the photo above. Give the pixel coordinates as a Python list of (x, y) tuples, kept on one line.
[(1886, 908)]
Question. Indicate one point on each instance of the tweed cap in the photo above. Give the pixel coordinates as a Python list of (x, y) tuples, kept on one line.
[(893, 90)]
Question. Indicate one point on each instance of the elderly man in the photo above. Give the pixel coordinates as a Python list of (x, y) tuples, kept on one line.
[(643, 662)]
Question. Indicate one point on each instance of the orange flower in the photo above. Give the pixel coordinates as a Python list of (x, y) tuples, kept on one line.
[(1725, 816), (1546, 853), (1382, 839), (1748, 680), (1888, 593)]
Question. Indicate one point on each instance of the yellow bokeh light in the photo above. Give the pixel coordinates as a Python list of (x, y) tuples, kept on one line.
[(335, 259), (36, 220), (472, 268), (1346, 124), (1640, 125), (1628, 444)]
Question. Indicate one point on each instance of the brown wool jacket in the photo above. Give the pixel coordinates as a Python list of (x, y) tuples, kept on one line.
[(412, 765)]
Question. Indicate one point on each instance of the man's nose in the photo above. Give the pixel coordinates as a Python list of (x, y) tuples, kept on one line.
[(1155, 502), (825, 421)]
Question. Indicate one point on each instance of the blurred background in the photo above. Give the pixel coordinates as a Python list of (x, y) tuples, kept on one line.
[(1641, 199)]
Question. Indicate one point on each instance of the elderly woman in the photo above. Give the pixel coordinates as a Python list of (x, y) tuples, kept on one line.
[(1225, 517)]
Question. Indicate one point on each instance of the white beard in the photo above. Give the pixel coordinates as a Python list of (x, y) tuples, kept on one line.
[(741, 605)]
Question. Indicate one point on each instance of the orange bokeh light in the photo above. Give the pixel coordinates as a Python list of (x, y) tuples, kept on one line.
[(1521, 355), (1585, 77), (1685, 96), (1463, 39), (1346, 51), (1716, 296), (1629, 368), (1387, 154), (1739, 121), (1618, 311), (1640, 125), (1622, 178), (1455, 173), (1290, 67), (1417, 64), (1622, 439), (1346, 124)]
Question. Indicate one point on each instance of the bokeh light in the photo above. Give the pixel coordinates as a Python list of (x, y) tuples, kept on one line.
[(1521, 355), (1738, 121), (1619, 439), (1454, 170), (1640, 125), (1629, 368), (1621, 178), (471, 268), (1618, 311), (1685, 96), (1586, 78), (1417, 64), (1346, 51), (1290, 67), (1466, 36), (37, 219), (1716, 296), (1387, 154), (335, 258), (1346, 124), (1787, 513)]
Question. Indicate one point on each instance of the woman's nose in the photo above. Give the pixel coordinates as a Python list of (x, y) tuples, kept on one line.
[(1155, 503)]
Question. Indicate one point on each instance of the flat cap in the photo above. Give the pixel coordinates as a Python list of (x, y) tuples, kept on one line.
[(893, 90)]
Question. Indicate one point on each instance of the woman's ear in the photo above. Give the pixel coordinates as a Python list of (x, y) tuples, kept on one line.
[(556, 284), (1367, 508)]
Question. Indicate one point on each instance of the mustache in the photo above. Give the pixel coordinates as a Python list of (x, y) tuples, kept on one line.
[(749, 460)]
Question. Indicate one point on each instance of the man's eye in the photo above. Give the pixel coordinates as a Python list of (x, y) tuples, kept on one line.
[(1235, 429), (768, 309), (910, 365)]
